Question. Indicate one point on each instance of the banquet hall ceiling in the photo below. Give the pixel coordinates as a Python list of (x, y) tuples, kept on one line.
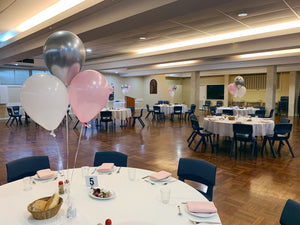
[(112, 29)]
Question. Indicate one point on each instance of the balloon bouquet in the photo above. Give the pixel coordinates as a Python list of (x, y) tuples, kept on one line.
[(45, 97), (237, 88), (172, 90)]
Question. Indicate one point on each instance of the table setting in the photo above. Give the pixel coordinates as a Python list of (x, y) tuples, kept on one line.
[(124, 195)]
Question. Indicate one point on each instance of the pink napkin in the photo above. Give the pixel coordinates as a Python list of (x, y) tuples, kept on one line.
[(46, 173), (239, 122), (201, 207), (106, 167), (160, 175)]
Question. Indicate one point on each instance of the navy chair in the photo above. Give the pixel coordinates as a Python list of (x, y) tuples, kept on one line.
[(219, 103), (106, 117), (159, 115), (166, 102), (25, 167), (271, 114), (177, 111), (206, 105), (160, 102), (139, 118), (201, 132), (243, 133), (281, 133), (190, 112), (260, 113), (198, 170), (285, 120), (150, 111), (228, 112), (118, 158), (213, 110), (14, 116), (291, 213)]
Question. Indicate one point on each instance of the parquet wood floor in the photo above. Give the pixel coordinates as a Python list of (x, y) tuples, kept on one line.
[(246, 192)]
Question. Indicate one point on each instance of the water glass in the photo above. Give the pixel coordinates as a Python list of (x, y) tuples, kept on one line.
[(165, 193), (27, 183), (85, 171), (131, 174)]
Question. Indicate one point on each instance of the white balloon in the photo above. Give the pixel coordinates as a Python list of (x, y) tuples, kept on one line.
[(241, 91), (45, 99), (172, 94)]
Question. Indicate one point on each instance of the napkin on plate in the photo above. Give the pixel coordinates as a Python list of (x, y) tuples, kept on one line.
[(45, 173), (106, 167), (160, 175), (201, 207)]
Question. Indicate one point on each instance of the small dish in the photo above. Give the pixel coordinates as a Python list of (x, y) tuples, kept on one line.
[(107, 171), (113, 195), (203, 215), (162, 180), (36, 177)]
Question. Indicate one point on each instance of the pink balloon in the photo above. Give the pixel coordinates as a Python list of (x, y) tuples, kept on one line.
[(232, 88), (88, 94), (129, 87), (170, 90)]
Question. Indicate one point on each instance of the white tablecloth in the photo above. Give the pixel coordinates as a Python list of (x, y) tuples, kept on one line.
[(119, 104), (223, 127), (237, 111), (136, 202), (120, 114), (168, 109)]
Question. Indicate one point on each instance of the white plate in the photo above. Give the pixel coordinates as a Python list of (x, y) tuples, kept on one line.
[(36, 177), (113, 194), (199, 214), (163, 180), (108, 171)]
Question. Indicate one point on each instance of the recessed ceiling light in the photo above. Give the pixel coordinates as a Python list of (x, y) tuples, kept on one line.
[(142, 38), (176, 63), (279, 52), (243, 14), (88, 50)]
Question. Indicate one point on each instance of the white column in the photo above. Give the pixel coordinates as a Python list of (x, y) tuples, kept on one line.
[(195, 84), (292, 93), (226, 82), (271, 88)]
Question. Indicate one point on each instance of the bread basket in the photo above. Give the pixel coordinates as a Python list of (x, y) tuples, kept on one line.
[(45, 214), (231, 117)]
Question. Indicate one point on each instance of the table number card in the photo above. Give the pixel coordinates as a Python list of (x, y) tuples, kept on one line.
[(91, 181)]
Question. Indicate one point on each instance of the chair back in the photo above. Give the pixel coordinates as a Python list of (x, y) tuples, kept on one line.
[(285, 120), (242, 131), (195, 123), (166, 102), (207, 102), (156, 109), (261, 107), (291, 213), (160, 102), (271, 113), (25, 167), (16, 109), (118, 158), (177, 109), (260, 113), (106, 115), (9, 111), (283, 129), (228, 112), (193, 108), (213, 110), (219, 103), (200, 171), (131, 109), (141, 113), (148, 108)]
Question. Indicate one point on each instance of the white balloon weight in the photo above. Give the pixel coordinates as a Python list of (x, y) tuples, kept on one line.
[(241, 92), (45, 99)]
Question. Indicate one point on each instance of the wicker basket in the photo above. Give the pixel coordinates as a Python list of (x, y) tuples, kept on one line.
[(231, 117), (46, 214)]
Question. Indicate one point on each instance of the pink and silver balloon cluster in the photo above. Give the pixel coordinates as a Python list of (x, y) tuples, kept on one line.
[(237, 88)]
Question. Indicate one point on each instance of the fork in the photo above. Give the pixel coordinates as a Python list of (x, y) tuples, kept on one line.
[(207, 222), (119, 170), (149, 182), (179, 212)]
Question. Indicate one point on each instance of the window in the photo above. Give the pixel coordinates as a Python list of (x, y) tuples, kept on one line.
[(153, 86)]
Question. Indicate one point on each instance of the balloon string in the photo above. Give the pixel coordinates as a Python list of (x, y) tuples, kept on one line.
[(77, 150), (67, 131)]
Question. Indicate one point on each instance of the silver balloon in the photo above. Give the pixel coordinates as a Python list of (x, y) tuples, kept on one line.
[(64, 55), (239, 81)]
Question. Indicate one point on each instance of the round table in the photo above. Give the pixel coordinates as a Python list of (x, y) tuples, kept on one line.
[(223, 126), (135, 203), (169, 109), (238, 111)]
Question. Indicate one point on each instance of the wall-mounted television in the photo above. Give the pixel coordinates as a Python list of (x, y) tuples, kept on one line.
[(215, 92)]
